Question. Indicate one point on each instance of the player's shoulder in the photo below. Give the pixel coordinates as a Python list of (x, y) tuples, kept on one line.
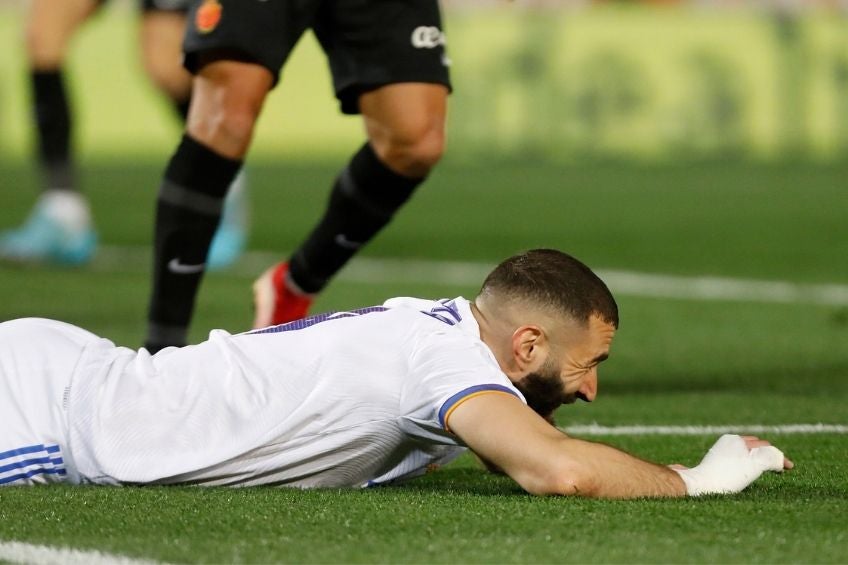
[(450, 311), (446, 316), (409, 302)]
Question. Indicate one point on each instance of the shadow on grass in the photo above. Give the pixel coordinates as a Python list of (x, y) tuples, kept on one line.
[(471, 481)]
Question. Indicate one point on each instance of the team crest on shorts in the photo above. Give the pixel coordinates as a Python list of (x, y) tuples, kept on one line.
[(208, 16)]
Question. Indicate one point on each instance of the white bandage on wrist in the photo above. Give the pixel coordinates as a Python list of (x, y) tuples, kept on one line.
[(729, 466)]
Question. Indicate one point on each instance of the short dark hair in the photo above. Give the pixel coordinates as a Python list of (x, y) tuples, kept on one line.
[(553, 279)]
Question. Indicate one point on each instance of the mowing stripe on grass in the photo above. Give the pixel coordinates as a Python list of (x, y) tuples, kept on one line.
[(598, 430), (469, 273), (20, 552)]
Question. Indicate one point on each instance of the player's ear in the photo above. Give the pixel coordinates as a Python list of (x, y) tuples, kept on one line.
[(528, 343)]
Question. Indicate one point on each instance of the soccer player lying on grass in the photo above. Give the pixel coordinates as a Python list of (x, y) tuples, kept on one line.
[(353, 399)]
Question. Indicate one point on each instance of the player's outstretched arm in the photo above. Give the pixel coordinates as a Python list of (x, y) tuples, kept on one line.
[(543, 460)]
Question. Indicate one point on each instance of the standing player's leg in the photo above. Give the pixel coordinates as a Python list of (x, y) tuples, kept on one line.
[(389, 64), (161, 38), (59, 227), (405, 124), (227, 97), (163, 27), (236, 50)]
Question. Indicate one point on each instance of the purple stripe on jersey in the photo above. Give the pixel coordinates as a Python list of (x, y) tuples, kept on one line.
[(459, 396), (317, 319), (447, 312)]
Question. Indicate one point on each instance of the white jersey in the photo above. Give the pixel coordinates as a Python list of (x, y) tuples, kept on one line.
[(37, 362), (345, 399)]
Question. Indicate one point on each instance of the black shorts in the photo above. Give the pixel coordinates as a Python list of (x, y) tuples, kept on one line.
[(164, 5), (180, 6), (369, 43)]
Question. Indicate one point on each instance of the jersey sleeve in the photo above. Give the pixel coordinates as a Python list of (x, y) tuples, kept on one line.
[(444, 373)]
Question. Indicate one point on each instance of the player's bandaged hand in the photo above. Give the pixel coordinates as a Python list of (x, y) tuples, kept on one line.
[(732, 464)]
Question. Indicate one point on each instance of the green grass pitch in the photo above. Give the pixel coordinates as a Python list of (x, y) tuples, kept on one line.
[(674, 362)]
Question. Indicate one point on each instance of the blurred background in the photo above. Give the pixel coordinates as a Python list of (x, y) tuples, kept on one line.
[(686, 138), (554, 80), (695, 153)]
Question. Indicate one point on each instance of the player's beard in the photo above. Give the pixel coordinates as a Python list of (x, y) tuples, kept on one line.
[(543, 389)]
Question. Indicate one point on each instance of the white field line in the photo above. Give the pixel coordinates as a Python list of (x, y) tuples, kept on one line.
[(471, 274), (20, 552), (599, 430)]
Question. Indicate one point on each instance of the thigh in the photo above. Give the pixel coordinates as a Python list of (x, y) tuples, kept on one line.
[(37, 360), (255, 31), (372, 43), (162, 34)]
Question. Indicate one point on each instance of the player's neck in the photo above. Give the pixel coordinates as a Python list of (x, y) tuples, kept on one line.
[(492, 334)]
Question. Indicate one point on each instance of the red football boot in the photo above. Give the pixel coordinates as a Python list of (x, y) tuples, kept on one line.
[(274, 302)]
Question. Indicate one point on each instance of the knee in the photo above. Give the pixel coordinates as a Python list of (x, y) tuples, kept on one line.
[(44, 50), (224, 110), (413, 150), (227, 129), (49, 28)]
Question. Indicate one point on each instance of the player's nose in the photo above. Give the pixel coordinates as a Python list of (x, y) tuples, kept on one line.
[(589, 388)]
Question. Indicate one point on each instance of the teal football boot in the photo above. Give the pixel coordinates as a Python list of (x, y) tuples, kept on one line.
[(44, 238), (230, 239)]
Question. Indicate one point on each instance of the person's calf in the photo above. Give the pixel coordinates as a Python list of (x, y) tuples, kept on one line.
[(363, 201), (188, 211)]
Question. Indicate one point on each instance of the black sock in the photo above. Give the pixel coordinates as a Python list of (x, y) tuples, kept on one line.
[(53, 122), (181, 107), (364, 198), (187, 213)]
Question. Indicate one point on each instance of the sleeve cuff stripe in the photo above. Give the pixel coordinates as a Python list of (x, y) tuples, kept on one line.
[(451, 403)]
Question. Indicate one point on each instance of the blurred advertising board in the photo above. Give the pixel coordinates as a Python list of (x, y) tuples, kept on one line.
[(665, 80), (551, 80)]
